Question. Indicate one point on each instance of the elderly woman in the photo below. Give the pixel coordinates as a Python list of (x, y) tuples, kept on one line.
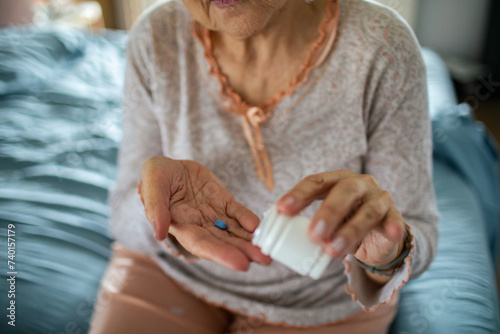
[(232, 105)]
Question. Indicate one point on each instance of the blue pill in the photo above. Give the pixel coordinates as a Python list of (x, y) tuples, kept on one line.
[(220, 224)]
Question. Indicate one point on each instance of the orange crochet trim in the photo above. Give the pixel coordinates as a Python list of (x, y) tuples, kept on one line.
[(253, 116), (407, 261)]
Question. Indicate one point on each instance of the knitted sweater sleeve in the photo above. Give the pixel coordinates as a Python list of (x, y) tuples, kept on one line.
[(141, 139), (399, 154)]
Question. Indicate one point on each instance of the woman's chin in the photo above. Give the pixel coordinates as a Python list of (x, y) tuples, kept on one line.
[(223, 4), (239, 19)]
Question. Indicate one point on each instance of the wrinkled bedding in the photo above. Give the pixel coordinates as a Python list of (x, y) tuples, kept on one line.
[(60, 95)]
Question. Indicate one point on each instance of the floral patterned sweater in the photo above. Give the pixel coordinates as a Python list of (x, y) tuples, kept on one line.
[(359, 104)]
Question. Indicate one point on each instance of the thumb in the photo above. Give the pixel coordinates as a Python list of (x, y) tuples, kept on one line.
[(156, 199)]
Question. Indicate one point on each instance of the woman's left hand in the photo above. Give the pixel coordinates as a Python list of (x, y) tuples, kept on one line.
[(356, 216)]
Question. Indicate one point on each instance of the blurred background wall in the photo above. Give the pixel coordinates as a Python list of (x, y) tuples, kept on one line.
[(454, 27), (15, 12)]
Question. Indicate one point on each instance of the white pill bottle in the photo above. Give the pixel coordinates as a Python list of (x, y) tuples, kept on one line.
[(284, 238)]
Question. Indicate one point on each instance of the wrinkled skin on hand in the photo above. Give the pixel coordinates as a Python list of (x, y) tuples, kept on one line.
[(183, 198)]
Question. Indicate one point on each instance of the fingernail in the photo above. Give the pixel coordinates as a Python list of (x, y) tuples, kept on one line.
[(289, 201), (319, 228), (338, 244), (155, 226)]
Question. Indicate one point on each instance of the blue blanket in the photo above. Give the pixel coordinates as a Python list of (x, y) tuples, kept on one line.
[(60, 96), (458, 293), (467, 147), (60, 93)]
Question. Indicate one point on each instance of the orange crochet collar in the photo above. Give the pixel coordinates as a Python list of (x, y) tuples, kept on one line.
[(253, 116)]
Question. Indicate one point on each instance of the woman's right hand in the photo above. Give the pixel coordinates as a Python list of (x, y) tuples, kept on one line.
[(183, 198)]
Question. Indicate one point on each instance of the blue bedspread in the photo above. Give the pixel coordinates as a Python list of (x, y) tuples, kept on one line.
[(466, 146), (60, 93), (458, 293)]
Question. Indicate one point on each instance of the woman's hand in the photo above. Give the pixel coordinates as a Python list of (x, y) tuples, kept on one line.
[(356, 216), (184, 198)]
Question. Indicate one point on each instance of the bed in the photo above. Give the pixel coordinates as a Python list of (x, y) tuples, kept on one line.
[(60, 94)]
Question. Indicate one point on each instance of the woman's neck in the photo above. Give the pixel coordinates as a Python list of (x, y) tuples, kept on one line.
[(288, 34)]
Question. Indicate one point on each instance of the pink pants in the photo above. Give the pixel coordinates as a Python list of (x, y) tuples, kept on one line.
[(136, 296)]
